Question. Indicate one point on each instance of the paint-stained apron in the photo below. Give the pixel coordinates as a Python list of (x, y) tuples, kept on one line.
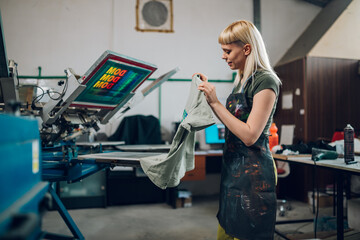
[(247, 207)]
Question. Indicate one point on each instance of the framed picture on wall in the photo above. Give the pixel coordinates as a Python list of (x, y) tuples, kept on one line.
[(154, 16)]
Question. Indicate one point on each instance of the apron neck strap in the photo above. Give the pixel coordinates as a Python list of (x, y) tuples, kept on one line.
[(244, 84)]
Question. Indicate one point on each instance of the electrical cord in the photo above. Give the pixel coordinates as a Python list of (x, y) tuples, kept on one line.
[(40, 96), (63, 91), (53, 98), (60, 94)]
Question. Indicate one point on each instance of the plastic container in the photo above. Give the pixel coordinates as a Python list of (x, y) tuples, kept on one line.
[(274, 137)]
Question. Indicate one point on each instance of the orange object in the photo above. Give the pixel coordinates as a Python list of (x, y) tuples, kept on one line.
[(199, 173), (274, 137)]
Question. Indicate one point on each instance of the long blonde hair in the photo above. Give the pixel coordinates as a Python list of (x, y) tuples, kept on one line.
[(244, 32)]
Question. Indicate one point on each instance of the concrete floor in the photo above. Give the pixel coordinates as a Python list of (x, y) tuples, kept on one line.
[(160, 221)]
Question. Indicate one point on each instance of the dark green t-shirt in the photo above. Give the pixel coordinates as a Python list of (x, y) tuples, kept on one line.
[(262, 80)]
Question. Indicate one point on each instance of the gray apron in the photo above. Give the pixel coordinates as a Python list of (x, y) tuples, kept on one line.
[(247, 207)]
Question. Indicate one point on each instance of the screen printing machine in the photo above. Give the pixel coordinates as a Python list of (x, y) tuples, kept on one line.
[(38, 140)]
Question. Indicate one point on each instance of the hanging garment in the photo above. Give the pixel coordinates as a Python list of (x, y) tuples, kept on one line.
[(138, 129), (166, 171), (247, 208)]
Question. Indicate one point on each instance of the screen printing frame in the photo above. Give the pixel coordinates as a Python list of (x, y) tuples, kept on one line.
[(77, 87), (101, 68)]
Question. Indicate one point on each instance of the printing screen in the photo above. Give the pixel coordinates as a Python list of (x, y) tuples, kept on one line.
[(111, 79), (215, 134)]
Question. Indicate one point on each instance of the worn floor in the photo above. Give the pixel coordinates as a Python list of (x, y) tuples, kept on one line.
[(160, 221)]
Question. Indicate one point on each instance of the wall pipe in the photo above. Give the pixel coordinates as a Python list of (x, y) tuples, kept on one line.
[(39, 76)]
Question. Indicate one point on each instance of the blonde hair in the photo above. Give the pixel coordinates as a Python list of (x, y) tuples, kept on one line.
[(244, 32)]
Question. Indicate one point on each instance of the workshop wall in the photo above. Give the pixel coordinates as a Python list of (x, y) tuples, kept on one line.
[(66, 33), (342, 39)]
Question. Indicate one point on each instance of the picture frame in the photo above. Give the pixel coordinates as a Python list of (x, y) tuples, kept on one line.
[(154, 16)]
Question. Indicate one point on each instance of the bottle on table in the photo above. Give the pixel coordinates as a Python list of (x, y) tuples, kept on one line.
[(274, 137), (349, 144)]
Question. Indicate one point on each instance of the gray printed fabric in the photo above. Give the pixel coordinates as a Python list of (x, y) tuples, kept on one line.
[(167, 170)]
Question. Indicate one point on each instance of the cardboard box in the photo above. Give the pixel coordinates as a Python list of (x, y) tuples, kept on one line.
[(353, 213), (179, 203), (183, 202), (187, 202), (324, 199), (183, 199)]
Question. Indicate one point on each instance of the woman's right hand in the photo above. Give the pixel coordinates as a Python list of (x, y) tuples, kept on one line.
[(202, 76), (208, 89)]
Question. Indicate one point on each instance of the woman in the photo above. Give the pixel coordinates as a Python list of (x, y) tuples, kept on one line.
[(247, 208)]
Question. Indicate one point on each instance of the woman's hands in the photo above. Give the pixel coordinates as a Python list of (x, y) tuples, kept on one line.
[(208, 89), (202, 76)]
